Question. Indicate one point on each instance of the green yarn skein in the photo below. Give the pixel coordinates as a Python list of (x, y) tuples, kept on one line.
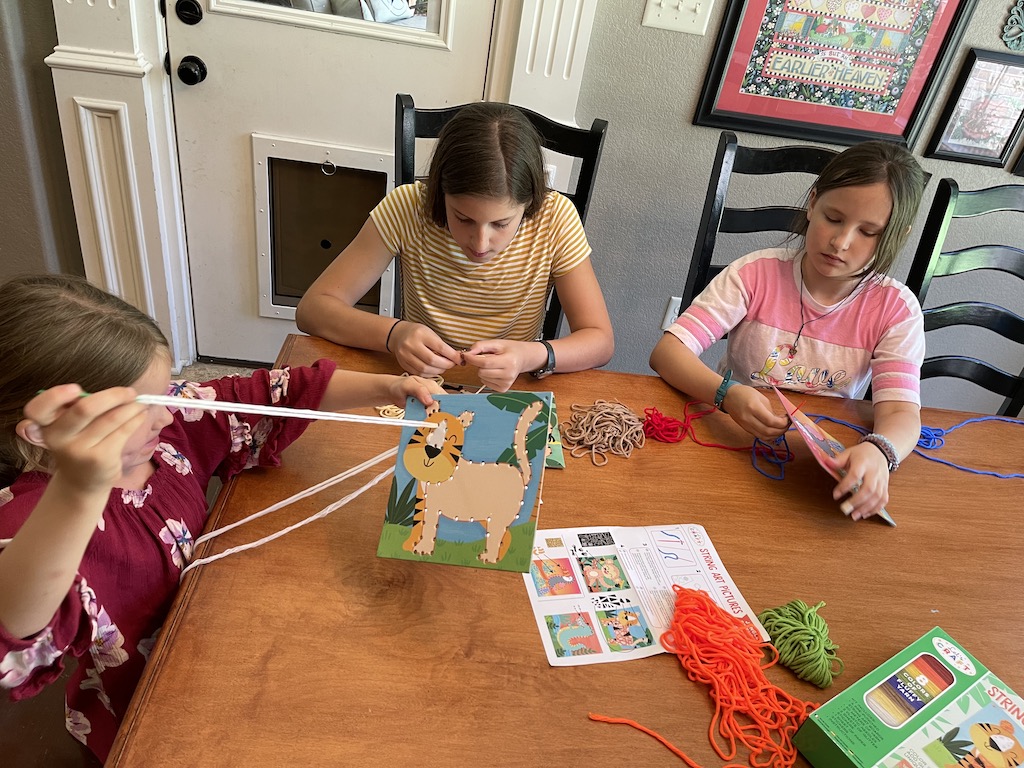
[(801, 637)]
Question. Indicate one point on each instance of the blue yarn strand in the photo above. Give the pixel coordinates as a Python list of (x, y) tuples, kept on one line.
[(932, 438)]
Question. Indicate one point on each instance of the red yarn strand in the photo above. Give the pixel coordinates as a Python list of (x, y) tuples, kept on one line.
[(666, 429)]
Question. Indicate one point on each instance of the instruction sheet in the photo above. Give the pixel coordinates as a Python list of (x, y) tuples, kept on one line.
[(605, 594)]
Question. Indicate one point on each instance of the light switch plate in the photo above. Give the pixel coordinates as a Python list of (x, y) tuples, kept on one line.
[(690, 16)]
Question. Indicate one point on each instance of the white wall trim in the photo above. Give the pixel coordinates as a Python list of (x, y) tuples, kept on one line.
[(110, 174), (100, 62), (117, 125), (551, 53)]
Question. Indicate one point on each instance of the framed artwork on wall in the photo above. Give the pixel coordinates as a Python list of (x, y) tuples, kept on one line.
[(985, 112), (835, 71)]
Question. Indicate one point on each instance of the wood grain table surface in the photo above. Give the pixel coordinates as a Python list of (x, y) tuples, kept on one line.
[(313, 651)]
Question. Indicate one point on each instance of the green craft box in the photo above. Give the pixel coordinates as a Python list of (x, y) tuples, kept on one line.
[(932, 705)]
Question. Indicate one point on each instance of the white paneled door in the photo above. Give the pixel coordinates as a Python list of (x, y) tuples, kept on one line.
[(314, 78)]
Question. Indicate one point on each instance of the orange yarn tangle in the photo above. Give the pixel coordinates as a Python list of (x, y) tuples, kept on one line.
[(720, 651)]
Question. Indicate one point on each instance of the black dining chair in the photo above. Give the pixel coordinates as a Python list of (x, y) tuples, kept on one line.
[(720, 217), (934, 259), (585, 144)]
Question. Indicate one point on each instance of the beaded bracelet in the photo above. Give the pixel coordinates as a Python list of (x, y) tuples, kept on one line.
[(727, 381), (387, 341), (884, 444)]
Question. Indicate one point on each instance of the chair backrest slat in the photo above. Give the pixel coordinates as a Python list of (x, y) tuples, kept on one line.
[(718, 216), (1004, 258), (932, 260)]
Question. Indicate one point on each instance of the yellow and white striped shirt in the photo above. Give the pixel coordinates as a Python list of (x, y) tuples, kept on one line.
[(465, 302)]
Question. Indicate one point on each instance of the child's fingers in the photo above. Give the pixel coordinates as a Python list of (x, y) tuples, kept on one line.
[(486, 347), (68, 405), (44, 407)]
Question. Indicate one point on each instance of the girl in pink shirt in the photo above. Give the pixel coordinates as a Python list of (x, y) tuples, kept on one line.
[(823, 318)]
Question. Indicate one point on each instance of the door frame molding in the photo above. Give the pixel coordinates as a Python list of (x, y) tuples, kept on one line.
[(117, 124)]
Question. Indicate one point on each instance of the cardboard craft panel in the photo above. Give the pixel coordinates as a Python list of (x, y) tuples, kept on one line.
[(468, 491)]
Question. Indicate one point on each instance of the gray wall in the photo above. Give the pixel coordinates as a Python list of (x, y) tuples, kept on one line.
[(654, 173), (37, 220), (646, 207)]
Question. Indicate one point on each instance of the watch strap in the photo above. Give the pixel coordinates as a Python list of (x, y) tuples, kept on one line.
[(723, 388), (549, 366)]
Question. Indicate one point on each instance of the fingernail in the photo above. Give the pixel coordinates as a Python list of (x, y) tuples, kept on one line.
[(846, 507)]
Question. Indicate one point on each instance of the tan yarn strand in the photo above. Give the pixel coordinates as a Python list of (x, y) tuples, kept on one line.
[(605, 427)]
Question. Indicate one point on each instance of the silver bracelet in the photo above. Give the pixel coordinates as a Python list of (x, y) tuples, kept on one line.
[(884, 444)]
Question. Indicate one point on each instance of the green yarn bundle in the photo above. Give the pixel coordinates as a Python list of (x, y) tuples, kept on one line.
[(801, 637)]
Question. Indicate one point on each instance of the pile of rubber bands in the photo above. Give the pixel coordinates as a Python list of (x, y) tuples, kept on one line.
[(605, 427)]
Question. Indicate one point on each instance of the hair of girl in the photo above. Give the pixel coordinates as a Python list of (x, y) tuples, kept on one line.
[(873, 162), (59, 329), (490, 150)]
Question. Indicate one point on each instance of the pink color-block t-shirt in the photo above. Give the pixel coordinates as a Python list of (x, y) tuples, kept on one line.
[(875, 336)]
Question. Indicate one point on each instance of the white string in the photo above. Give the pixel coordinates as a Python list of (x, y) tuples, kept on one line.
[(312, 490), (188, 403), (322, 513)]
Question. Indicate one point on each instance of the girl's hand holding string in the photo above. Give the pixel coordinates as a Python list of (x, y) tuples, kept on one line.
[(500, 361), (866, 481), (752, 410), (420, 351), (84, 434), (413, 386)]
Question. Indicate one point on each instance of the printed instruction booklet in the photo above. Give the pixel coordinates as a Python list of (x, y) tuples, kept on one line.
[(605, 594)]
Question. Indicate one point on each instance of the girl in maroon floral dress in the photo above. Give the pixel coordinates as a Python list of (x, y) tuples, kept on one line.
[(101, 498)]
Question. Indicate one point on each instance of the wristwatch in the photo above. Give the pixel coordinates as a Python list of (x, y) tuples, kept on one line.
[(549, 367)]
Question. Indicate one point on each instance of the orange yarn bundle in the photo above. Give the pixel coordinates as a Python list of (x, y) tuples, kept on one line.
[(718, 650)]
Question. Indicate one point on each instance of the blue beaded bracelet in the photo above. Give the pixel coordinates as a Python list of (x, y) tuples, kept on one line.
[(727, 381)]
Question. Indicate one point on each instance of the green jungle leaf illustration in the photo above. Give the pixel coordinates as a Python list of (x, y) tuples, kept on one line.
[(516, 402), (956, 748), (536, 440), (401, 507)]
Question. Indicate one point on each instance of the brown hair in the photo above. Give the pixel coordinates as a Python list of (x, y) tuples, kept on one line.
[(488, 150), (872, 162), (61, 329)]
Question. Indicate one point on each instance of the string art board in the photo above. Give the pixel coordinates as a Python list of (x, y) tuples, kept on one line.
[(468, 491), (823, 446)]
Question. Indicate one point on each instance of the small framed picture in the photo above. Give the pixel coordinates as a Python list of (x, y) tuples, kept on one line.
[(985, 112)]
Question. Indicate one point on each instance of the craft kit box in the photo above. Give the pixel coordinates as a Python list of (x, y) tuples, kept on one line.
[(932, 705)]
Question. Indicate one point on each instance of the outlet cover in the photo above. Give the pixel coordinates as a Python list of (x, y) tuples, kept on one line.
[(671, 312), (689, 16)]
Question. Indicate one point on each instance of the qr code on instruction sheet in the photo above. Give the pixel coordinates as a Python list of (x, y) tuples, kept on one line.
[(602, 539)]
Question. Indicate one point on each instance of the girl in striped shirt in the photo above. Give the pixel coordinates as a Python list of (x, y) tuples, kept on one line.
[(480, 244)]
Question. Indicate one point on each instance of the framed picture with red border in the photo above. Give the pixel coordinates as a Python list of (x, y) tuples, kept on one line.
[(835, 71)]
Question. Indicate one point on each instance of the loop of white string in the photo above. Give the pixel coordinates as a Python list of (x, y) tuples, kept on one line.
[(296, 497)]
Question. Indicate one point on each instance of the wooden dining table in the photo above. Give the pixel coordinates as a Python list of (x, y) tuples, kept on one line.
[(312, 651)]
